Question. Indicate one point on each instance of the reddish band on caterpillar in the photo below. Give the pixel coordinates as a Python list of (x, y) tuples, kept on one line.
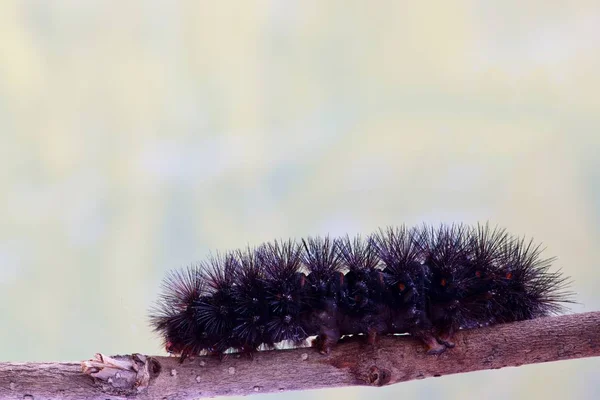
[(424, 281)]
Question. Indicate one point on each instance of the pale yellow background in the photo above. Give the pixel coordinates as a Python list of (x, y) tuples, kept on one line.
[(135, 136)]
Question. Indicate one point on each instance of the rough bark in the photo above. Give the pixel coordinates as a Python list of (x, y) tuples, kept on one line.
[(394, 359)]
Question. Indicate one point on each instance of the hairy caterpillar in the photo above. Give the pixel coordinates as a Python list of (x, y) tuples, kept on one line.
[(425, 281)]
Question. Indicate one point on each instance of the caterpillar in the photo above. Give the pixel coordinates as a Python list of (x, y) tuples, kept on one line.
[(424, 281)]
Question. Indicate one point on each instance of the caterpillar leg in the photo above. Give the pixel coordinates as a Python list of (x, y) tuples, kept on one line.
[(432, 345), (248, 352), (372, 336), (326, 340), (374, 331), (445, 337), (319, 343), (186, 354), (326, 324)]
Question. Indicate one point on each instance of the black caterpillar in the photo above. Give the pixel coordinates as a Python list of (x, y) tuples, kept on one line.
[(428, 282)]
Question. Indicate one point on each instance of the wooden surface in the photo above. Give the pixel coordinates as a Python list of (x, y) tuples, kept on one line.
[(395, 359)]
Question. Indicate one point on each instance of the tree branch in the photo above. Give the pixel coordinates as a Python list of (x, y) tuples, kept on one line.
[(395, 359)]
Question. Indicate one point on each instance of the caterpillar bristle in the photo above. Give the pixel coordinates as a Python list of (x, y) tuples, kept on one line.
[(282, 262), (216, 312), (398, 247), (321, 258), (174, 316), (425, 281), (251, 304), (357, 254), (405, 279), (361, 300)]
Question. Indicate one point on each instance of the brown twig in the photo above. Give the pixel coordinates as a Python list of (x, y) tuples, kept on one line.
[(395, 359)]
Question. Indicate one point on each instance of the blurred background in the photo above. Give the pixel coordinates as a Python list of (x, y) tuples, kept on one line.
[(135, 137)]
